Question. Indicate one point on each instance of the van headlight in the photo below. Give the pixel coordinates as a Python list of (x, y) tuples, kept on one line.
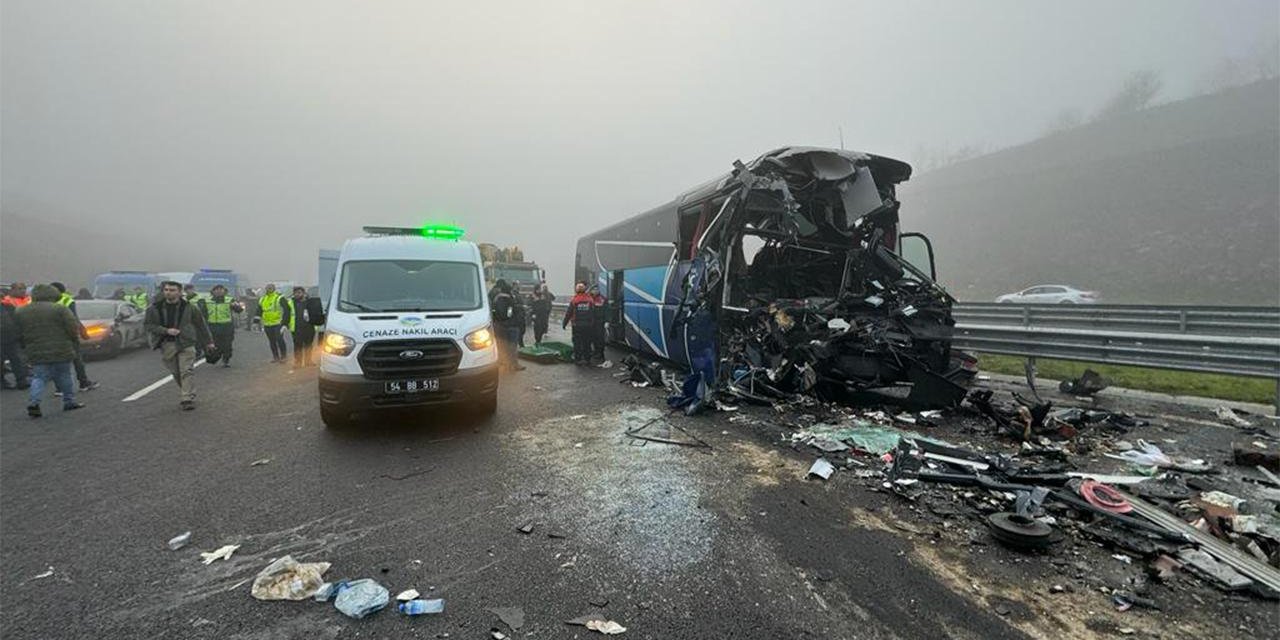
[(479, 339), (336, 344)]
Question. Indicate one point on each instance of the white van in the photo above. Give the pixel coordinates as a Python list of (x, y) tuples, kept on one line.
[(408, 325)]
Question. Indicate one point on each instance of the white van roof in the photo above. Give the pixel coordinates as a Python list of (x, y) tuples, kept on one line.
[(410, 248)]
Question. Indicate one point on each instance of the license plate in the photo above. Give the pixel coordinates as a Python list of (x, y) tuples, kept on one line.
[(413, 386)]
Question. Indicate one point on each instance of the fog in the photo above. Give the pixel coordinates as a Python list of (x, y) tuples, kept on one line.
[(249, 134)]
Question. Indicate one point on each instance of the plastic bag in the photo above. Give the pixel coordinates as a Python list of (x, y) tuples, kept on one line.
[(1146, 455), (288, 579), (361, 598)]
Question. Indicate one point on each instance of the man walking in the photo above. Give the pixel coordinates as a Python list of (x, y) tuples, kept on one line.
[(541, 308), (49, 333), (303, 315), (582, 314), (176, 326), (67, 300), (270, 308), (11, 347), (220, 309)]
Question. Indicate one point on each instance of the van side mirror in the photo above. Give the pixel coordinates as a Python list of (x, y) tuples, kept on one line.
[(916, 249)]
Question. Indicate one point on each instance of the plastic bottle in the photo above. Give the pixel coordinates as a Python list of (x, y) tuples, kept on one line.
[(420, 607)]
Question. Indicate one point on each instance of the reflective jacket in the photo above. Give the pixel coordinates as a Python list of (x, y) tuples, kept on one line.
[(581, 313), (219, 311), (269, 308)]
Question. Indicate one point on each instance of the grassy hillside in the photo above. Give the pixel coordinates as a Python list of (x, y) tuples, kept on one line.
[(1175, 204)]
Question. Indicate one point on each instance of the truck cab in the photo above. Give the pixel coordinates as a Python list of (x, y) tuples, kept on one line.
[(408, 325)]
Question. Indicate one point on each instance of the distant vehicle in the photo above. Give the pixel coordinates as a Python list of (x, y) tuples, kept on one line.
[(106, 284), (1050, 294), (509, 264), (112, 325), (181, 277), (205, 280), (408, 325)]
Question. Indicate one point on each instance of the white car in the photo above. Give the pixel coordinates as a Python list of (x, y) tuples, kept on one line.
[(1050, 294)]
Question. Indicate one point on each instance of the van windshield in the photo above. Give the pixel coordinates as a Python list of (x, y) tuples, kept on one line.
[(409, 285)]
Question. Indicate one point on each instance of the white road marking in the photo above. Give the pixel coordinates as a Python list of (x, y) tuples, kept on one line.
[(156, 385)]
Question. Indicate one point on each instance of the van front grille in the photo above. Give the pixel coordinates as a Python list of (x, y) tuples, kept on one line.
[(397, 360)]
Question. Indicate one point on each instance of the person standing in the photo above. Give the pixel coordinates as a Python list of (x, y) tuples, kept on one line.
[(303, 315), (139, 298), (17, 296), (49, 333), (600, 307), (175, 326), (541, 308), (582, 314), (65, 299), (521, 317), (11, 347), (271, 310), (84, 294), (506, 313), (220, 309)]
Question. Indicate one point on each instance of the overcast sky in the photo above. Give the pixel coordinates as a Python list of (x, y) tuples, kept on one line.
[(276, 128)]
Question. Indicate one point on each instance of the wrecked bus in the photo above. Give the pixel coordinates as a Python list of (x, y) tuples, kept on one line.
[(787, 275)]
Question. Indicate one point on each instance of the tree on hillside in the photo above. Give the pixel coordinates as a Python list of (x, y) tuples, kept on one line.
[(1135, 94)]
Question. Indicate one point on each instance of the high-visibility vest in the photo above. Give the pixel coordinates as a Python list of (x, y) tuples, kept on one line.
[(293, 315), (219, 312), (272, 315), (139, 300), (66, 299)]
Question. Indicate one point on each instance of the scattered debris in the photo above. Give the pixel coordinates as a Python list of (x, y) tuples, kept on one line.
[(221, 553), (821, 468), (416, 607), (525, 528), (1089, 383), (607, 627), (578, 416), (1020, 532), (43, 574), (511, 616), (361, 598), (1228, 416), (259, 462), (408, 594), (179, 541), (288, 579), (326, 591)]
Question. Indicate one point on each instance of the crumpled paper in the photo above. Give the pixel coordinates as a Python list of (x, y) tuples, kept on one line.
[(288, 579)]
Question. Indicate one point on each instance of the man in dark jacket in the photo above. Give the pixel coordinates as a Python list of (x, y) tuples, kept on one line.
[(49, 334), (176, 326), (507, 312), (541, 308), (600, 305), (583, 316), (302, 315)]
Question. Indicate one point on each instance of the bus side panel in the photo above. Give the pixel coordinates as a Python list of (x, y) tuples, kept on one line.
[(643, 311)]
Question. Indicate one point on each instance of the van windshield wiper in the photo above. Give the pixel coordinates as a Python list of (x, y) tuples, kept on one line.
[(358, 305)]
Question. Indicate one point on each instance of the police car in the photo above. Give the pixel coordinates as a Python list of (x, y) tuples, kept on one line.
[(407, 325)]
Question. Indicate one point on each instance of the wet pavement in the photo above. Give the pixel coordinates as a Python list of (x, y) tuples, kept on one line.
[(679, 542)]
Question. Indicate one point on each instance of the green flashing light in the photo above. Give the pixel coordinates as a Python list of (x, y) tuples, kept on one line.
[(442, 231)]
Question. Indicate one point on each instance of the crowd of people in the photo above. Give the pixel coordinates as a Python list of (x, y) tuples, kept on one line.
[(41, 334)]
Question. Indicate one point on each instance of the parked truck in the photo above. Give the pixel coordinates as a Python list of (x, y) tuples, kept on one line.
[(509, 264)]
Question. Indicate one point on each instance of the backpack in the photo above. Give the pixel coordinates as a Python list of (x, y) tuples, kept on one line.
[(502, 307)]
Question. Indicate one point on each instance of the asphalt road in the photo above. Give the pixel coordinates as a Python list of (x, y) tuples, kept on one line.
[(681, 542)]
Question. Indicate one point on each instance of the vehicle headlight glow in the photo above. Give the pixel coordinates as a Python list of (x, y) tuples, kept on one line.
[(96, 331), (337, 344), (479, 339)]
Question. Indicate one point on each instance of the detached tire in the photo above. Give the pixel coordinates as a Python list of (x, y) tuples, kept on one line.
[(335, 418)]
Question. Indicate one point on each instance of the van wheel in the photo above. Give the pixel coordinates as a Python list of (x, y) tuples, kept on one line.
[(335, 418)]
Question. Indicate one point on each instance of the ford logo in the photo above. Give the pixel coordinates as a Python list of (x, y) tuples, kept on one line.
[(411, 321), (411, 354)]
